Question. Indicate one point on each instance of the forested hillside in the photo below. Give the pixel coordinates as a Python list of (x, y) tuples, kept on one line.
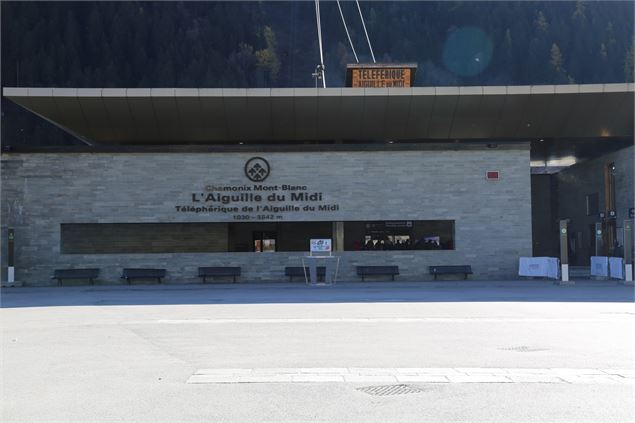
[(274, 44)]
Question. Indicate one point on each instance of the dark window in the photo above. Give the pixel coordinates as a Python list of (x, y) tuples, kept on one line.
[(144, 238), (279, 236), (115, 238), (399, 235)]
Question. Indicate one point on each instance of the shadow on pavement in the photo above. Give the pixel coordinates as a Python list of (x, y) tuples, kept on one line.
[(288, 293)]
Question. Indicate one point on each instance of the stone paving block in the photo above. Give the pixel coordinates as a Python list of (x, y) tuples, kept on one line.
[(526, 378), (479, 370), (422, 379), (522, 371), (335, 370), (317, 378), (427, 370), (212, 379), (264, 378), (482, 378), (275, 370), (628, 373), (566, 371), (590, 379), (223, 371), (370, 371), (370, 378)]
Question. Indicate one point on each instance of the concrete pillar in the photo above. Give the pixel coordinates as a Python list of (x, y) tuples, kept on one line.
[(564, 253), (10, 257), (599, 240), (338, 236), (628, 252)]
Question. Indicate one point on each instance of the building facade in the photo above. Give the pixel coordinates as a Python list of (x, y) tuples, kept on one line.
[(413, 177), (417, 207)]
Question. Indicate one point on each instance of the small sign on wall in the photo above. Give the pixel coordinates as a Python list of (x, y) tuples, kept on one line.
[(320, 245), (492, 175)]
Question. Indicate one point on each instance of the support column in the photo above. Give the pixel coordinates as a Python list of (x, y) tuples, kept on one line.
[(564, 253), (10, 257), (628, 252), (599, 240), (338, 236)]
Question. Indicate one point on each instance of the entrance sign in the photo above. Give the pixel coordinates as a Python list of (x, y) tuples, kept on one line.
[(330, 263), (321, 245), (380, 75)]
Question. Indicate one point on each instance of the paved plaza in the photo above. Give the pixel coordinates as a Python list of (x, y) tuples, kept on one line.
[(474, 351)]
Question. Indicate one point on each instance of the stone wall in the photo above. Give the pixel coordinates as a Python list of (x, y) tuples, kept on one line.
[(492, 219)]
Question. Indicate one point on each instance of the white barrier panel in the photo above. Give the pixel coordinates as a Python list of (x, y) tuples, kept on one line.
[(599, 266), (545, 267), (616, 267)]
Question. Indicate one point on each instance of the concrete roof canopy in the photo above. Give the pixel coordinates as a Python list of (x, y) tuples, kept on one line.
[(222, 115)]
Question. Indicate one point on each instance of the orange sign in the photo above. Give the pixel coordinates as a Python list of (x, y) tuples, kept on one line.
[(381, 77)]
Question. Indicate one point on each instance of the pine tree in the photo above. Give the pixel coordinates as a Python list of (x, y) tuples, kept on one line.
[(556, 58), (267, 59)]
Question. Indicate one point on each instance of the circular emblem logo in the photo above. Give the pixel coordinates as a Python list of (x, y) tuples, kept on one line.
[(257, 169)]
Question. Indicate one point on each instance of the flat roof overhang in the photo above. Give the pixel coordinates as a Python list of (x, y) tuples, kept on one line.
[(208, 115)]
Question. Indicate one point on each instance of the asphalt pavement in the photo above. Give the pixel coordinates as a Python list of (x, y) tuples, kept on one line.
[(475, 351)]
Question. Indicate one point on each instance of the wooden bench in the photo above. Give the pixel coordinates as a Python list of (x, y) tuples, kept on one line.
[(292, 272), (129, 274), (450, 270), (211, 272), (90, 274), (364, 271)]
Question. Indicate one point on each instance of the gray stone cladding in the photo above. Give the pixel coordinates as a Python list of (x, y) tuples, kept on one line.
[(492, 219)]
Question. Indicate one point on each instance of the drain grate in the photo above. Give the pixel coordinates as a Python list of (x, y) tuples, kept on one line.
[(523, 348), (386, 390)]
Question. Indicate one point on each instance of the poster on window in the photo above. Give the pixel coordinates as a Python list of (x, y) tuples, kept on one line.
[(320, 245)]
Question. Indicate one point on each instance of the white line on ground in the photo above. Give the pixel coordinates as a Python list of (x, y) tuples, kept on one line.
[(374, 320), (414, 375)]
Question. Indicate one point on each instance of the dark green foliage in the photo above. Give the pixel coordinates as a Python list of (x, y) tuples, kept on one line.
[(274, 44)]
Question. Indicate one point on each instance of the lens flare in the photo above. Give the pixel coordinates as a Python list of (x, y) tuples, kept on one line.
[(467, 51)]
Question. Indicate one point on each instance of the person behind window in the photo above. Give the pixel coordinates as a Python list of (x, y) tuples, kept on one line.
[(388, 245)]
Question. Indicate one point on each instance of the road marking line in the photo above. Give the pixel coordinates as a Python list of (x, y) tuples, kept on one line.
[(413, 374), (374, 320)]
